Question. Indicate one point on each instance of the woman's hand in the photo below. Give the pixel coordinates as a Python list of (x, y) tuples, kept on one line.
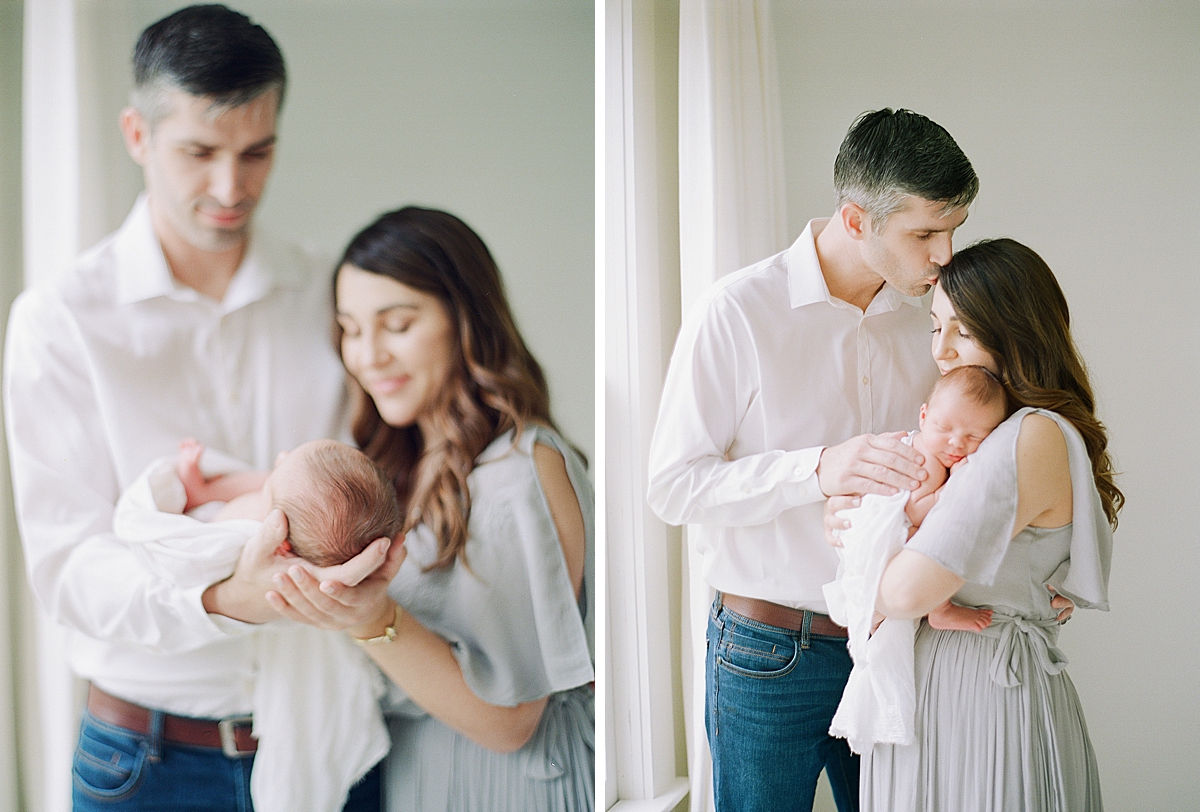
[(834, 524), (347, 596), (241, 596)]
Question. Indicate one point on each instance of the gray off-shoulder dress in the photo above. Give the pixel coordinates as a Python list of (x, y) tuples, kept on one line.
[(518, 633), (999, 727)]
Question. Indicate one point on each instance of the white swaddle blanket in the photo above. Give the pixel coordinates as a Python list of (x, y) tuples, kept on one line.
[(879, 703), (316, 712)]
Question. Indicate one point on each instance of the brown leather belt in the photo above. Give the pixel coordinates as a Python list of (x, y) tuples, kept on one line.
[(231, 735), (784, 617)]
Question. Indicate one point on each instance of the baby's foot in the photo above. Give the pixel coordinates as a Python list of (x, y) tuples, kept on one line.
[(952, 617), (188, 468)]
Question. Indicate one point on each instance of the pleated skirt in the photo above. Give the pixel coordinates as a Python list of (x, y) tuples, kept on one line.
[(981, 746), (431, 768)]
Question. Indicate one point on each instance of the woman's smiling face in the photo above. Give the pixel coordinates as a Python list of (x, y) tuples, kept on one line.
[(397, 341), (953, 346)]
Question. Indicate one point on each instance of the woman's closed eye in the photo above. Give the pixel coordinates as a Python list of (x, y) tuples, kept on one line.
[(398, 325)]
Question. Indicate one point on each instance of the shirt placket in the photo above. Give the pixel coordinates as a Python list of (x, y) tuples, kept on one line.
[(234, 396), (863, 382)]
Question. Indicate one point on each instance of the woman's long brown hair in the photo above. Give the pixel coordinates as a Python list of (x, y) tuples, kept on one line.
[(1009, 301), (496, 385)]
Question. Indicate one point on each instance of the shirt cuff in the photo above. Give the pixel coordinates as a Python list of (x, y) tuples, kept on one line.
[(214, 626), (801, 487)]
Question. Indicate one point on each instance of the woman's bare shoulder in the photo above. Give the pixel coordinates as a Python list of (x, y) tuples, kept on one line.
[(1041, 437), (1043, 473)]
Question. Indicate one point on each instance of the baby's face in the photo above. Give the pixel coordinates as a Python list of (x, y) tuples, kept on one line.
[(953, 426)]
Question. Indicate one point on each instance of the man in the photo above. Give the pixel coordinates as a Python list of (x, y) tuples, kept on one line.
[(784, 383), (183, 323)]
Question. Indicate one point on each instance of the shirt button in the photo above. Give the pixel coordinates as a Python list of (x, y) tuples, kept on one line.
[(865, 380)]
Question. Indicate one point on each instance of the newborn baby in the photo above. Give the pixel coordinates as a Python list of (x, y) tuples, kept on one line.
[(336, 500), (966, 404)]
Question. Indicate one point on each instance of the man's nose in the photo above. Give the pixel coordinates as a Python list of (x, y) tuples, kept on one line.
[(942, 251), (225, 185)]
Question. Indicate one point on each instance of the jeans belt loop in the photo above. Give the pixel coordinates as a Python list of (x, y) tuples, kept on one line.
[(227, 728), (156, 735), (806, 629)]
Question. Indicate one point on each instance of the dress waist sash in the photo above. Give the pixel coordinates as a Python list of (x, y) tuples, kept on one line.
[(1023, 643)]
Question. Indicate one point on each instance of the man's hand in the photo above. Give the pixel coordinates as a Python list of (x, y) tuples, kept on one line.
[(834, 524), (242, 596), (1064, 605), (870, 463)]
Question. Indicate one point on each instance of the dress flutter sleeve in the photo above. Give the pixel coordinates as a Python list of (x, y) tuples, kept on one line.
[(510, 615), (969, 529)]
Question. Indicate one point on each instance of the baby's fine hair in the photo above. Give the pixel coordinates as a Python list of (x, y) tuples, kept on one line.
[(977, 384), (349, 504)]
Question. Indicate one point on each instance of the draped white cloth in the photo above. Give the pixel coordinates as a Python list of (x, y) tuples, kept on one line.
[(732, 212), (880, 700)]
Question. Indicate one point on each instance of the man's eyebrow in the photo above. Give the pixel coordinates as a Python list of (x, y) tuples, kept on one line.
[(944, 228), (269, 141)]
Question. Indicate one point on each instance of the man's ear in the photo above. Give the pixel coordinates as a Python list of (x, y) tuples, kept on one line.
[(136, 132), (855, 220)]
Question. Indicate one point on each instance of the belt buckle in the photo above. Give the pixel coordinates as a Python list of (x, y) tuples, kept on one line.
[(226, 728)]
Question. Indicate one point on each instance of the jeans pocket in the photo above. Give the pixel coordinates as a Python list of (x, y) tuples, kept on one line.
[(108, 762), (761, 656)]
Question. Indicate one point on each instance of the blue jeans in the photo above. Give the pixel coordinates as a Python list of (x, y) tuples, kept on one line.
[(119, 770), (772, 693)]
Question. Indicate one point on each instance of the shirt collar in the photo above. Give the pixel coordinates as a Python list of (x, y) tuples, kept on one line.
[(143, 274), (806, 283)]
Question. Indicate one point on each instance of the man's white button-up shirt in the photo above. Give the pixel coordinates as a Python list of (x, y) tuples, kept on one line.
[(768, 370), (107, 368)]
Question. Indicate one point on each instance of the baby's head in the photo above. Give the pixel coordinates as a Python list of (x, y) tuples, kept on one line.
[(336, 501), (965, 405)]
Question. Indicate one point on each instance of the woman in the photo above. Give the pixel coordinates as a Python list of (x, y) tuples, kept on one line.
[(999, 726), (481, 630)]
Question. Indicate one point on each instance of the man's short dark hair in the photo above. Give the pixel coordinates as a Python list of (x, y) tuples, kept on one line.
[(890, 154), (208, 51)]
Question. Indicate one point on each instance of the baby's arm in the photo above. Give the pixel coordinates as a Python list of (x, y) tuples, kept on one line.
[(224, 488), (925, 496), (918, 508), (952, 617)]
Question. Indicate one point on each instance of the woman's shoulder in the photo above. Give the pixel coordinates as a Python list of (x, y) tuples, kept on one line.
[(511, 449), (1042, 435)]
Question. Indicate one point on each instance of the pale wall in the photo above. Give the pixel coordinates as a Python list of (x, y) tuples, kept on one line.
[(480, 107), (1083, 122)]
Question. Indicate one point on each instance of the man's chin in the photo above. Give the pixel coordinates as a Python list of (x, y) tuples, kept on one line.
[(219, 240)]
